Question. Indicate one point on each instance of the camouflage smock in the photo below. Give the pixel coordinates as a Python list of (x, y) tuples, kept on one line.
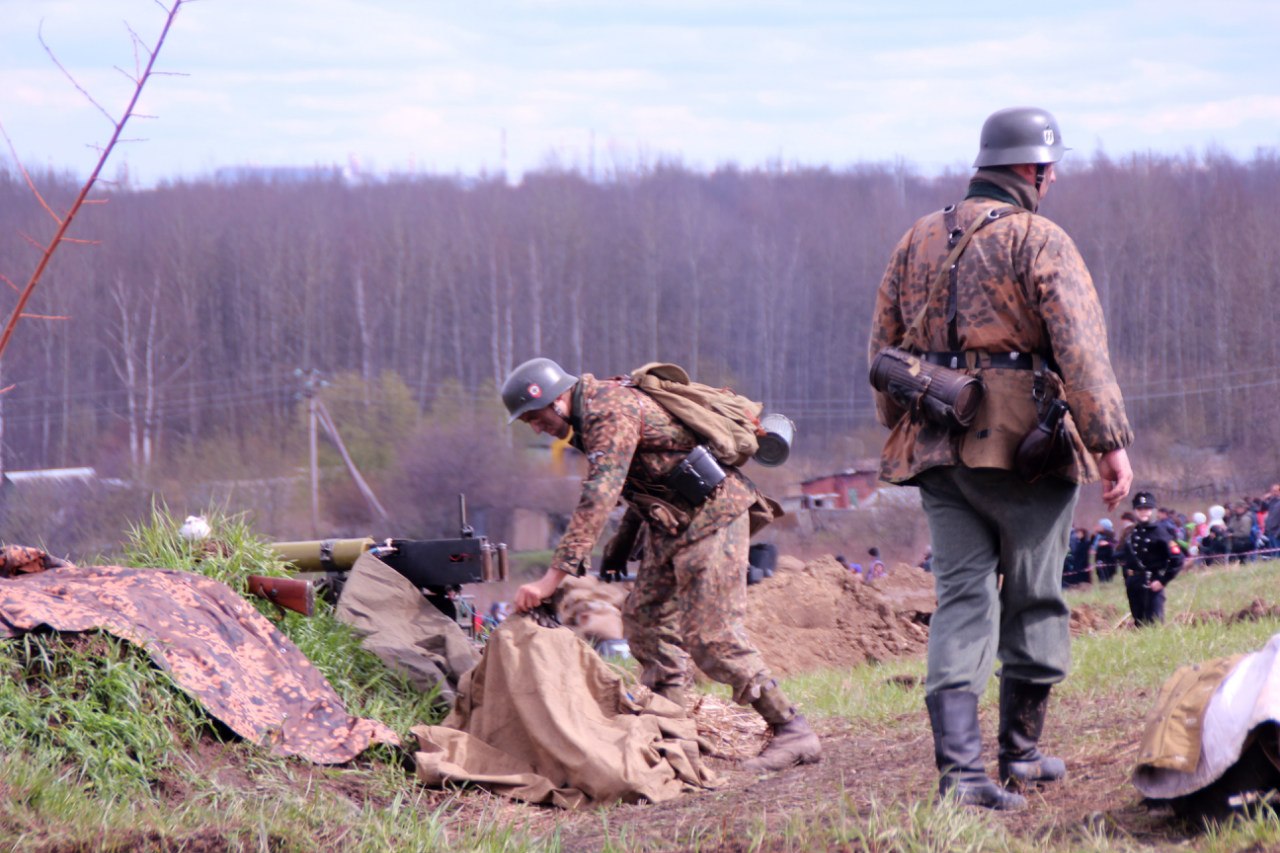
[(1021, 287), (632, 444)]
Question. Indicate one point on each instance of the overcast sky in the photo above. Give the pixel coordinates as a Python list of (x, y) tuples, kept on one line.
[(464, 86)]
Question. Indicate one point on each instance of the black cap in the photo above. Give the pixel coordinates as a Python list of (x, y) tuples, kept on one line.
[(1144, 500)]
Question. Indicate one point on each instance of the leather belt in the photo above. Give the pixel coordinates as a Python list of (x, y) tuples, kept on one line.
[(977, 358)]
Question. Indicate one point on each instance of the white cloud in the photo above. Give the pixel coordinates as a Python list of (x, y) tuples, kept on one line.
[(398, 82)]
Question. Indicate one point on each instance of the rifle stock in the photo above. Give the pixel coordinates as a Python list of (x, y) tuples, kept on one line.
[(285, 593)]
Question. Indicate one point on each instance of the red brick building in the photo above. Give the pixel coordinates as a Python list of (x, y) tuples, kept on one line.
[(843, 490)]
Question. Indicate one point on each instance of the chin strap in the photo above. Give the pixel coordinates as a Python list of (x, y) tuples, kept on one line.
[(1041, 168)]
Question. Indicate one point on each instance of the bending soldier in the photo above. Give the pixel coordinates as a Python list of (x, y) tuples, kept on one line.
[(992, 291), (690, 591), (1151, 558)]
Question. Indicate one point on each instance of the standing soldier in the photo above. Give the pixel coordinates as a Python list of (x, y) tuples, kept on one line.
[(1151, 558), (1000, 294), (691, 589)]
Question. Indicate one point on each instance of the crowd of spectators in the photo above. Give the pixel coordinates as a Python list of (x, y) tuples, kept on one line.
[(1246, 529)]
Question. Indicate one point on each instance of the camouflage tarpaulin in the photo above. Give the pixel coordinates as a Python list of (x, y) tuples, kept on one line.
[(214, 643)]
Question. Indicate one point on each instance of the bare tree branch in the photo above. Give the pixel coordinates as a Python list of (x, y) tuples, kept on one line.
[(65, 221)]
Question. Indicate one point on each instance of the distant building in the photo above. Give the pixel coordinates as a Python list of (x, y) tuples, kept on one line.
[(847, 489), (50, 475)]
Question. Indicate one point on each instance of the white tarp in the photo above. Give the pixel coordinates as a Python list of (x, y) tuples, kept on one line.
[(1247, 697)]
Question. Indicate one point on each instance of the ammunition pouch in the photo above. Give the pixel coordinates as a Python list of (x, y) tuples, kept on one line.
[(940, 395), (696, 477), (661, 514), (1047, 447)]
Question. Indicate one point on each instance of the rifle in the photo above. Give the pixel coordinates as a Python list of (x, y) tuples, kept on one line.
[(431, 565), (285, 593)]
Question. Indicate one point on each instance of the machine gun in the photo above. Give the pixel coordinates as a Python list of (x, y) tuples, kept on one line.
[(434, 566)]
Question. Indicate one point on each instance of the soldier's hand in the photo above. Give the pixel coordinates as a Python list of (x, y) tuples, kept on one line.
[(1116, 475), (532, 594), (1156, 586)]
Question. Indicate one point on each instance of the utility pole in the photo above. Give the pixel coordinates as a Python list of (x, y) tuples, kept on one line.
[(311, 381)]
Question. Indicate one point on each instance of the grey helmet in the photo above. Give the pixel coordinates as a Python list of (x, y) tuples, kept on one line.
[(535, 385), (1020, 135)]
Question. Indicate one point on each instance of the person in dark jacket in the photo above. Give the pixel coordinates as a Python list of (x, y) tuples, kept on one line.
[(1151, 558), (1241, 528), (1076, 571), (1104, 551)]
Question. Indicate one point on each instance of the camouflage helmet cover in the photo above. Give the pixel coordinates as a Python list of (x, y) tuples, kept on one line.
[(1144, 500), (534, 385), (1020, 135)]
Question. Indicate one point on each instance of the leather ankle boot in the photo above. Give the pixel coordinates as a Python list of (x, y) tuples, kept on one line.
[(793, 741), (1022, 711), (957, 748)]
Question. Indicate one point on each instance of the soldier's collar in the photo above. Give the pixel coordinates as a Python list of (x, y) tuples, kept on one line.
[(1003, 185)]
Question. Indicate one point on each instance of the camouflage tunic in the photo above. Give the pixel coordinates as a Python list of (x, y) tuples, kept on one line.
[(1022, 287), (690, 592)]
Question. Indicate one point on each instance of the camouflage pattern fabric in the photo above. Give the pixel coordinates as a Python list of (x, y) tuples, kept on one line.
[(629, 440), (1022, 287), (692, 597), (691, 587), (20, 560), (215, 644)]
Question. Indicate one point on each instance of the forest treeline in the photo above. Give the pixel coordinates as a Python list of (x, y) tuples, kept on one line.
[(190, 313)]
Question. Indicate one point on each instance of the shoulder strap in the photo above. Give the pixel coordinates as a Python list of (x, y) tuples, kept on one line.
[(957, 239)]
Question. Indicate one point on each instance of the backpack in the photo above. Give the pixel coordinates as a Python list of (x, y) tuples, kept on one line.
[(728, 422)]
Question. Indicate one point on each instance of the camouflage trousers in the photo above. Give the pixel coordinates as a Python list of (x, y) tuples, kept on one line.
[(999, 544), (692, 597)]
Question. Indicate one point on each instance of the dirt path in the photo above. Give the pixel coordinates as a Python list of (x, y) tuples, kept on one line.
[(816, 615), (889, 765)]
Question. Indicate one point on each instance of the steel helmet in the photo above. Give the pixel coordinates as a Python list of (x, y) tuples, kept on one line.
[(1020, 135), (534, 385)]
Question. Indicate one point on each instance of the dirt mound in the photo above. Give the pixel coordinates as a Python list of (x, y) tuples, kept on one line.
[(1094, 619), (1257, 609), (819, 615)]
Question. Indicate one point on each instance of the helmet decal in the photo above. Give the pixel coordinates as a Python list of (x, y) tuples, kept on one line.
[(1048, 136), (535, 390)]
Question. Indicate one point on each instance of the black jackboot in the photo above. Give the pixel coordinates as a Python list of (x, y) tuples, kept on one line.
[(1022, 710), (957, 747)]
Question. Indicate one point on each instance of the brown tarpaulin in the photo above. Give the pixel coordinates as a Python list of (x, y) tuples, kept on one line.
[(404, 630), (215, 644), (544, 719)]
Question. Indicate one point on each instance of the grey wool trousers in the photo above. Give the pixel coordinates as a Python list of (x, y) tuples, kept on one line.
[(986, 524)]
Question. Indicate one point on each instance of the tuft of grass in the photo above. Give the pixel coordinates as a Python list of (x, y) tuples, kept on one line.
[(96, 706)]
